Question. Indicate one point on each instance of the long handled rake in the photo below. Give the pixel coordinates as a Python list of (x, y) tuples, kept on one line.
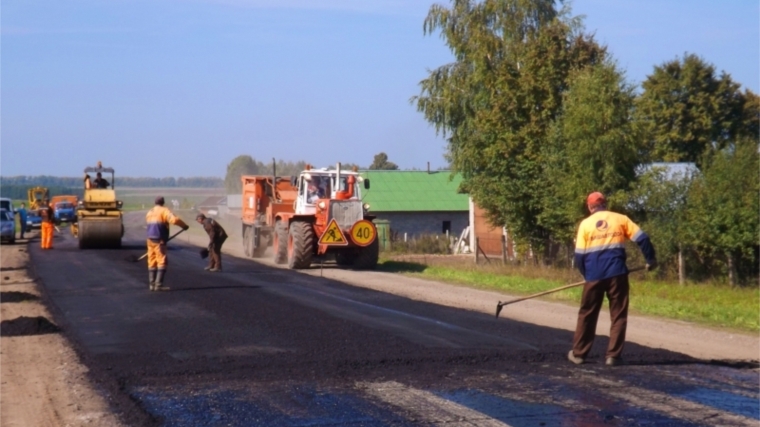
[(501, 305), (135, 259)]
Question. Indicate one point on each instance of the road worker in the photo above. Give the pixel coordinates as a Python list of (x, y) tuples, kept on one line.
[(600, 257), (159, 219), (22, 219), (216, 236), (87, 182), (47, 227)]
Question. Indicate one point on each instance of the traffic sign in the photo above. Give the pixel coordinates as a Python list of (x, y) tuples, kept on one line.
[(333, 236), (363, 233)]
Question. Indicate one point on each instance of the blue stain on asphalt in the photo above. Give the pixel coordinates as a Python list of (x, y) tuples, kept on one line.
[(729, 402), (304, 406), (518, 413)]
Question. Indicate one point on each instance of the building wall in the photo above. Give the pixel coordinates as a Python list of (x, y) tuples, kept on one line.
[(489, 237), (419, 223)]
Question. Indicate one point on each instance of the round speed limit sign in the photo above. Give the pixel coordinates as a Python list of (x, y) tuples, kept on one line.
[(363, 233)]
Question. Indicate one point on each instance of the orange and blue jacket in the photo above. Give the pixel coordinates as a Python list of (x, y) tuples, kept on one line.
[(159, 218), (600, 245)]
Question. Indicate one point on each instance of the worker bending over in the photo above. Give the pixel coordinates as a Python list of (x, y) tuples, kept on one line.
[(159, 219), (216, 236), (600, 257), (47, 227)]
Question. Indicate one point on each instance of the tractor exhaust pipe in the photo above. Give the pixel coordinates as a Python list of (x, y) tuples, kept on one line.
[(501, 305)]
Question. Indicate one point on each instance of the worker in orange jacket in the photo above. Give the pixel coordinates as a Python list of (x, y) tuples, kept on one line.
[(47, 227), (159, 219)]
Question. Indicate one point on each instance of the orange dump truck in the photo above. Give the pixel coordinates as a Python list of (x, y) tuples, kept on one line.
[(318, 213)]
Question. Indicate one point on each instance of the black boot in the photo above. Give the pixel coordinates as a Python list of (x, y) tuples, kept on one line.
[(159, 286), (152, 278)]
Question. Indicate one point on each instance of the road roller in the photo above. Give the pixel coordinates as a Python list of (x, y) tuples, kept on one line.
[(99, 216)]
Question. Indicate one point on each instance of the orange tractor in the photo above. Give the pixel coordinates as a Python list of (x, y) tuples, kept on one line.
[(318, 213)]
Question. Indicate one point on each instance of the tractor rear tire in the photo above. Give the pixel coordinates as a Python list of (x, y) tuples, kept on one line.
[(280, 243), (301, 240), (366, 257)]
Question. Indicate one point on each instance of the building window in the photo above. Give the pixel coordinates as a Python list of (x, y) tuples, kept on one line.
[(446, 227)]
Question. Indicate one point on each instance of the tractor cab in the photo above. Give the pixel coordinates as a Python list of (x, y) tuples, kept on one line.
[(316, 187)]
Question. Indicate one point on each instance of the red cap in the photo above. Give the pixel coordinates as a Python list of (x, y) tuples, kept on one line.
[(595, 198)]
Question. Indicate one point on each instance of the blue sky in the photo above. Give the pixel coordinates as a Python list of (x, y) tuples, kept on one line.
[(179, 88)]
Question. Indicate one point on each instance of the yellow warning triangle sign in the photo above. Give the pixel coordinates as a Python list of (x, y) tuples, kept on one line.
[(333, 235)]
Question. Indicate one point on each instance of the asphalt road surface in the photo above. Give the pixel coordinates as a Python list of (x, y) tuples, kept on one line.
[(264, 346)]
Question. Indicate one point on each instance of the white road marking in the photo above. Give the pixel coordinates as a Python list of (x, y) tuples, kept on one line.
[(668, 405), (427, 407)]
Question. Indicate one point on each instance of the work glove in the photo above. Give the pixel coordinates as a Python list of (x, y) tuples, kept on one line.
[(651, 265), (185, 227)]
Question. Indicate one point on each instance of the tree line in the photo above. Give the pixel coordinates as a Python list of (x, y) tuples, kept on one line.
[(537, 114), (244, 164), (138, 182)]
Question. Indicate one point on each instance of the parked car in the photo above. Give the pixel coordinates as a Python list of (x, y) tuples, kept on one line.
[(7, 226), (7, 204), (33, 220)]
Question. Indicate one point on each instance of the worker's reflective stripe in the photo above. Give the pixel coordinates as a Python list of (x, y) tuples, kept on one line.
[(638, 236), (600, 248), (428, 408)]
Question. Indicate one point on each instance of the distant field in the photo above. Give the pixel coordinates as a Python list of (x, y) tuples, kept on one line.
[(142, 198)]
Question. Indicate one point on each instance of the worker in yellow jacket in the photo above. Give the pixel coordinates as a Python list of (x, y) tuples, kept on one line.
[(159, 219)]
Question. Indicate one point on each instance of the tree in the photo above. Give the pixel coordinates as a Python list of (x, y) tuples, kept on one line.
[(498, 101), (723, 206), (594, 146), (239, 166), (690, 109), (380, 162)]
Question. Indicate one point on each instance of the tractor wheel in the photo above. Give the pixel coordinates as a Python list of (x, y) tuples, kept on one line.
[(280, 245), (300, 245), (366, 258), (345, 258), (263, 245)]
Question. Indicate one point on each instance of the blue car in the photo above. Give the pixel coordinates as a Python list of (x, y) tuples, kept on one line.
[(7, 227), (33, 220)]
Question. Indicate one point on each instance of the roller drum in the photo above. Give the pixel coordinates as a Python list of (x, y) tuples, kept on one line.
[(100, 232)]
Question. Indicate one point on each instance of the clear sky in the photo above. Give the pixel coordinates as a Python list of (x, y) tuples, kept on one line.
[(179, 88)]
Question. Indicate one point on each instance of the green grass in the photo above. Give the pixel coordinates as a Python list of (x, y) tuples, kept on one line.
[(707, 304)]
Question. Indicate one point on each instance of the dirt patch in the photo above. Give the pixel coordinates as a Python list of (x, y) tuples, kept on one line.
[(14, 296), (43, 381), (25, 326)]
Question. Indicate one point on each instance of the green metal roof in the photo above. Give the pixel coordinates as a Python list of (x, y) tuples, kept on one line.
[(415, 191)]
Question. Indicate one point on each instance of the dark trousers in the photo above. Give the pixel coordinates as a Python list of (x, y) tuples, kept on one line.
[(616, 289), (215, 253)]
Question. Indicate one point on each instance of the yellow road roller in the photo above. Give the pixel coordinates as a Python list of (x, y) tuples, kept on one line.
[(99, 216)]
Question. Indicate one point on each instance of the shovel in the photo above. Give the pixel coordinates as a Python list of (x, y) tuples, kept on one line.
[(133, 259), (500, 305)]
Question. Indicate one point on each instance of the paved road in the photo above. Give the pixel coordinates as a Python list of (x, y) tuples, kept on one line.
[(257, 345)]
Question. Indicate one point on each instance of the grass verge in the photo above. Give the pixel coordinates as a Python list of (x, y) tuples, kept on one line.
[(706, 304)]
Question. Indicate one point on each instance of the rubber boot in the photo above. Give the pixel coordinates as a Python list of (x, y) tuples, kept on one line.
[(159, 284), (152, 278)]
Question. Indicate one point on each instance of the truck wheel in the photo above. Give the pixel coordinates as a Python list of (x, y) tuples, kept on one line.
[(366, 258), (247, 241), (280, 244), (300, 245), (263, 245)]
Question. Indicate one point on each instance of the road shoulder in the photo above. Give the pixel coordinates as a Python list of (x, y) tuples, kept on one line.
[(43, 381)]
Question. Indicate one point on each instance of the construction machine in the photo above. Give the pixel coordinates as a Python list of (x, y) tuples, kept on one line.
[(36, 196), (99, 216), (318, 213)]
